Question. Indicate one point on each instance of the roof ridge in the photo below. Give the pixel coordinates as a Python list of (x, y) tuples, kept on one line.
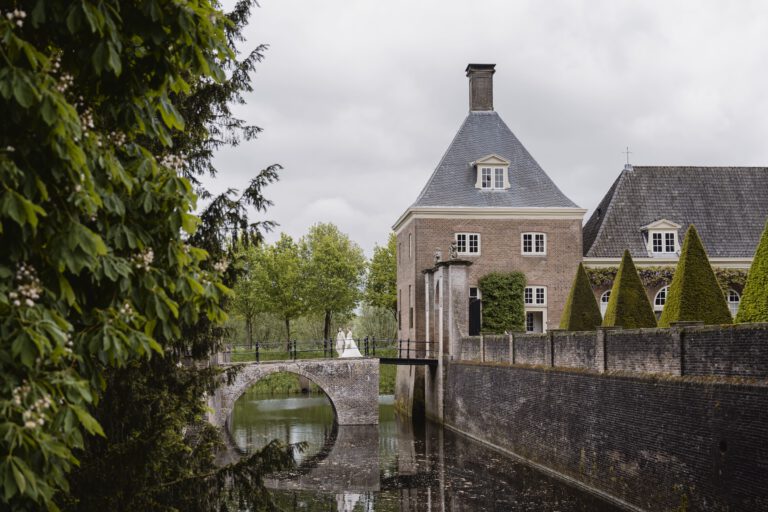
[(615, 188), (442, 159)]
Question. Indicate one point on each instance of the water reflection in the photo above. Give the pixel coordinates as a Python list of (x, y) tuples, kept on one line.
[(393, 466)]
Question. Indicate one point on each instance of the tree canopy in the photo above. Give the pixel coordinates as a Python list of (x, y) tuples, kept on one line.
[(111, 110), (694, 294), (381, 281), (581, 311), (335, 268), (628, 306), (754, 300)]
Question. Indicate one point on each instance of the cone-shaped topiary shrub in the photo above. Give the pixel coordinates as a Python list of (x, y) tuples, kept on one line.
[(628, 306), (754, 300), (694, 293), (581, 312)]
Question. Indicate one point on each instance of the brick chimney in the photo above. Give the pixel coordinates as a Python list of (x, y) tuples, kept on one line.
[(480, 86)]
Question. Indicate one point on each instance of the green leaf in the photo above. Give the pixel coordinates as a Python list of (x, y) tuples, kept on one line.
[(18, 476), (20, 209), (88, 422), (114, 60)]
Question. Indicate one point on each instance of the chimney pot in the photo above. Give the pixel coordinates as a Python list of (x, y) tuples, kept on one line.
[(481, 86)]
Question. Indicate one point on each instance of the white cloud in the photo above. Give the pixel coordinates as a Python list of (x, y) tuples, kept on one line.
[(360, 99)]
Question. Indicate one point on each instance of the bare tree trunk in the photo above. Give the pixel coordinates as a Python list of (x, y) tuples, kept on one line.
[(249, 329), (288, 334), (327, 325)]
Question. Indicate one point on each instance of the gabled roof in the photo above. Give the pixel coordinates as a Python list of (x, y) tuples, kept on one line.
[(482, 134), (728, 206)]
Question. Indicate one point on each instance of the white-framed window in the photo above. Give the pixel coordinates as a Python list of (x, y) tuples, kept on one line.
[(663, 242), (733, 301), (534, 243), (660, 299), (535, 296), (604, 298), (468, 243), (486, 183), (492, 178)]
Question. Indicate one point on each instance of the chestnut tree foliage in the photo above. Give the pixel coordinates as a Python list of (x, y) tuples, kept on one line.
[(108, 281)]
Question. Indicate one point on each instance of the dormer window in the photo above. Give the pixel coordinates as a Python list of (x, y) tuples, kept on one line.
[(492, 173), (662, 238)]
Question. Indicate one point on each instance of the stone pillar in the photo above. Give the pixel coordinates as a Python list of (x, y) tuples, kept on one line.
[(428, 306), (601, 359), (458, 303)]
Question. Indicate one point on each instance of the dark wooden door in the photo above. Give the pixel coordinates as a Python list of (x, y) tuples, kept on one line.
[(475, 307)]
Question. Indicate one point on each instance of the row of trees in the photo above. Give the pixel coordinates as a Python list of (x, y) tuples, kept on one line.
[(323, 275), (694, 294)]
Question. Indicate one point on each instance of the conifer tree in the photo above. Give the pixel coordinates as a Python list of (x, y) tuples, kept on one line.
[(581, 312), (754, 300), (694, 294), (628, 306)]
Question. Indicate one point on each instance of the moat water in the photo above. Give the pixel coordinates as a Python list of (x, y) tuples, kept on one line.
[(393, 466)]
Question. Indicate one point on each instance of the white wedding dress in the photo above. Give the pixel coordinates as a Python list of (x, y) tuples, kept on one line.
[(350, 347)]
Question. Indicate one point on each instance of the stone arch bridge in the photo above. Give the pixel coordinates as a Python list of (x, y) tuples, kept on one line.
[(352, 385)]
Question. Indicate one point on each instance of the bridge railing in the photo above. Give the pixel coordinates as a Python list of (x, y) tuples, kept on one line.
[(370, 346), (261, 351)]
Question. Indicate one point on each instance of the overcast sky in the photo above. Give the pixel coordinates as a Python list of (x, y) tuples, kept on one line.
[(359, 99)]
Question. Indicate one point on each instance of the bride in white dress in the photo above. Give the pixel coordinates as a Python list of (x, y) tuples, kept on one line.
[(340, 342), (350, 347)]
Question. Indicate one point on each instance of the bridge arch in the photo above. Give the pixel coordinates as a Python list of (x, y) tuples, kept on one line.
[(352, 386)]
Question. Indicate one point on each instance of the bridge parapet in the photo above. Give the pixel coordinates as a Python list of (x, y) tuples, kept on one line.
[(352, 385)]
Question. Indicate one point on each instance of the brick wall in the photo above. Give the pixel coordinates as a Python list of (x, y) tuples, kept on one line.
[(730, 351), (530, 348), (734, 350), (470, 349), (496, 348), (654, 443), (574, 349), (643, 350)]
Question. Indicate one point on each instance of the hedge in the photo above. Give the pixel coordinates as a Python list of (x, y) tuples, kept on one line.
[(754, 300), (503, 306), (628, 306), (581, 311), (694, 294)]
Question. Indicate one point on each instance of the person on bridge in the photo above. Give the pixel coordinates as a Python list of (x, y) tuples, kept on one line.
[(350, 347), (340, 342)]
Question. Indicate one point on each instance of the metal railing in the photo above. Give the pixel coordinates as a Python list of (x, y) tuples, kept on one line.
[(263, 351)]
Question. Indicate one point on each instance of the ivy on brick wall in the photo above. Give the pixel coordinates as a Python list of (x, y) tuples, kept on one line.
[(655, 277), (503, 307)]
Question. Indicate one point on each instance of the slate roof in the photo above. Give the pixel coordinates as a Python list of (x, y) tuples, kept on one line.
[(452, 184), (728, 206)]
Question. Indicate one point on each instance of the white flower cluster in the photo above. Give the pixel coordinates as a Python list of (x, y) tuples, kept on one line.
[(86, 120), (28, 289), (20, 393), (174, 162), (118, 138), (221, 266), (65, 82), (126, 310), (10, 149), (17, 16), (35, 415), (143, 260)]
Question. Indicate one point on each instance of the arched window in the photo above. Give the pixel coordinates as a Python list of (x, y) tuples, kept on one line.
[(733, 301), (660, 299), (604, 298)]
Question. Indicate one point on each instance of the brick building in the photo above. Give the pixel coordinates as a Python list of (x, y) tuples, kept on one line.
[(492, 200)]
